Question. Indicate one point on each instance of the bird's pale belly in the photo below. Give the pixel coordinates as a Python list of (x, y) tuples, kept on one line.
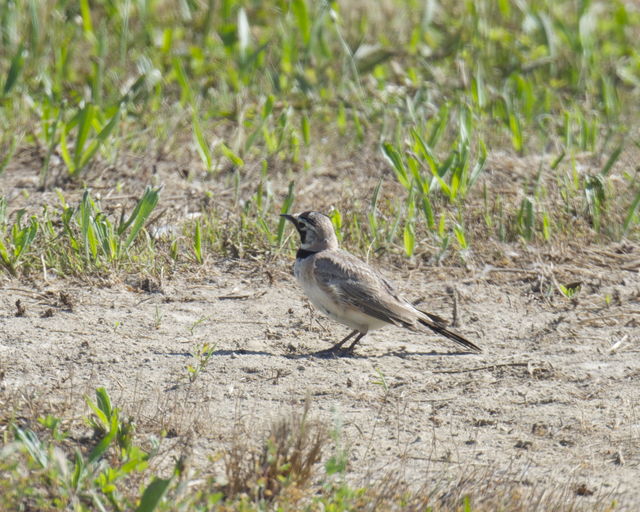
[(340, 313)]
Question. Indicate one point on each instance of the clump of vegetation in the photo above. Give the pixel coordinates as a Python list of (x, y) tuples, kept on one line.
[(254, 106), (110, 470), (288, 458), (296, 466), (73, 239)]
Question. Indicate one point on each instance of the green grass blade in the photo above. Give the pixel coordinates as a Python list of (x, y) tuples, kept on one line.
[(99, 140), (423, 150), (197, 243), (6, 260), (460, 236), (9, 154), (306, 130), (25, 237), (153, 494), (141, 213), (299, 8), (286, 207), (79, 471), (336, 220), (84, 125), (64, 151), (427, 210), (441, 126), (394, 158), (226, 151), (631, 214), (100, 449), (99, 410), (183, 81), (35, 26), (87, 24), (611, 161), (17, 63), (516, 132), (87, 228), (103, 402), (106, 236), (202, 147), (33, 445), (409, 239), (478, 167)]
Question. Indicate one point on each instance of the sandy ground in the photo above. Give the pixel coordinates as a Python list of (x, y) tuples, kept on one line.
[(551, 407)]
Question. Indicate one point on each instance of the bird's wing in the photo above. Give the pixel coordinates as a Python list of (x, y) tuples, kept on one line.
[(357, 285)]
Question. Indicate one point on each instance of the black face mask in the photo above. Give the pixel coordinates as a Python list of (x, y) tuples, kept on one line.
[(303, 233)]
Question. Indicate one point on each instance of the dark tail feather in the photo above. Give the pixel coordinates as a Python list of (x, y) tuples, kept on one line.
[(441, 329), (437, 319)]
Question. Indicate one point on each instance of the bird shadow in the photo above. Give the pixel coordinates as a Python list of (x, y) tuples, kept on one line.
[(433, 353), (242, 352), (181, 354), (328, 354), (323, 354), (343, 354)]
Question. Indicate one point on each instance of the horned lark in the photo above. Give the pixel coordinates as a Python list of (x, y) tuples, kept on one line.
[(350, 291)]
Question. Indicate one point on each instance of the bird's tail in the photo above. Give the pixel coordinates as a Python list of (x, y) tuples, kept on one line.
[(435, 323)]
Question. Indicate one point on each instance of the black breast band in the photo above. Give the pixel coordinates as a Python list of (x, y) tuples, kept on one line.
[(302, 254)]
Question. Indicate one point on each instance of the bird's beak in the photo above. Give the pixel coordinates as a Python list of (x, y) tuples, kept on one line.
[(291, 218)]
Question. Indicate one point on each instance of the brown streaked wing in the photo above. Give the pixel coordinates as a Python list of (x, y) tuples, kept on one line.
[(352, 281)]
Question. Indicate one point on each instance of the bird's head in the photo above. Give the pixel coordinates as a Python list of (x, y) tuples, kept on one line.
[(315, 229)]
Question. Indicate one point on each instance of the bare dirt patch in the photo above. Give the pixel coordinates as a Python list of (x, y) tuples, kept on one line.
[(550, 406)]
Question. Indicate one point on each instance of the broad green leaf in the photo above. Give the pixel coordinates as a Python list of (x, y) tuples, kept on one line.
[(393, 156), (299, 8), (99, 140), (140, 214), (4, 254), (103, 445), (462, 240), (306, 130), (153, 494), (85, 10), (27, 236), (516, 133), (17, 63), (427, 210), (226, 151), (409, 239)]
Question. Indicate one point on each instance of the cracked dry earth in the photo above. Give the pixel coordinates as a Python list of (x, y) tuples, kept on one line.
[(551, 407)]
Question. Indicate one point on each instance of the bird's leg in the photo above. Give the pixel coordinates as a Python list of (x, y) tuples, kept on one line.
[(337, 348), (355, 342), (338, 345)]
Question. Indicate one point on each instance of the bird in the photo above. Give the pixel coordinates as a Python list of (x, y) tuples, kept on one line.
[(350, 291)]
